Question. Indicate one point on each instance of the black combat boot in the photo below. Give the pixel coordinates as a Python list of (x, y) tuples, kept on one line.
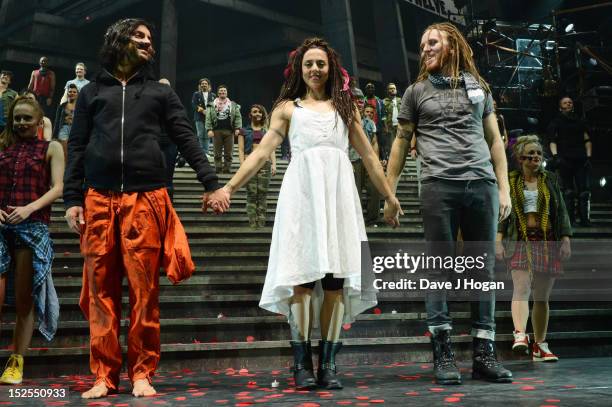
[(302, 369), (485, 365), (326, 374), (445, 368)]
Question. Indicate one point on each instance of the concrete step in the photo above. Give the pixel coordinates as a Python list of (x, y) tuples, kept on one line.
[(72, 333), (56, 361)]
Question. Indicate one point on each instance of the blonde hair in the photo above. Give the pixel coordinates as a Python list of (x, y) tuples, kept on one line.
[(522, 142), (8, 136), (460, 60)]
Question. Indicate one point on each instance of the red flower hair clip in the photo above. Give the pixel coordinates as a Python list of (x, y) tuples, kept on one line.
[(289, 68)]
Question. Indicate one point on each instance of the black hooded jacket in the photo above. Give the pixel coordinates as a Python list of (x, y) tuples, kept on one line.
[(114, 142)]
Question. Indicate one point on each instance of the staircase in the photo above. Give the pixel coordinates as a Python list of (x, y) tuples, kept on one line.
[(212, 321)]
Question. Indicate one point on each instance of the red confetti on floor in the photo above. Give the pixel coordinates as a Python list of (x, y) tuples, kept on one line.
[(552, 400), (457, 394), (344, 402), (221, 401), (452, 399), (180, 398), (310, 405), (436, 389), (527, 388), (362, 397), (377, 401), (250, 338), (346, 327), (412, 393), (377, 311)]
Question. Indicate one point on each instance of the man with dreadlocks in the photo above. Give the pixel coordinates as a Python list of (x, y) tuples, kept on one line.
[(450, 109), (126, 221), (313, 272)]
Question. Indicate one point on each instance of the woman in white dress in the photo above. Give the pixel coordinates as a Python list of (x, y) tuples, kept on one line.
[(314, 268)]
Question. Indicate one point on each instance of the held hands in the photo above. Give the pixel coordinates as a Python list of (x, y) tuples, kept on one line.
[(18, 214), (211, 134), (3, 217), (75, 219), (505, 205), (273, 170), (218, 200), (392, 211)]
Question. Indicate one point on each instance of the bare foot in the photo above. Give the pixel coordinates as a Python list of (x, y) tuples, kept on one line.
[(142, 388), (97, 391)]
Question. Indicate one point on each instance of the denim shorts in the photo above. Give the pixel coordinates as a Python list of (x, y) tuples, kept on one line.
[(64, 132)]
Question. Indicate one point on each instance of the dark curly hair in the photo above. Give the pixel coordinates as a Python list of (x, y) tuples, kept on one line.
[(264, 113), (116, 39), (294, 86)]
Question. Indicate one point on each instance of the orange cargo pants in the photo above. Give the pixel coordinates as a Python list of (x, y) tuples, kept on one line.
[(122, 237)]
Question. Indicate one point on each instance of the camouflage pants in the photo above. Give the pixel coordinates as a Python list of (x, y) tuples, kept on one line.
[(257, 191), (363, 181)]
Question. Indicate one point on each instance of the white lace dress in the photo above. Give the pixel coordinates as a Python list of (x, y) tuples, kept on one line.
[(318, 228)]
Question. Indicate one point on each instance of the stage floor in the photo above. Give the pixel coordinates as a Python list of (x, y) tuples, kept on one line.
[(570, 382)]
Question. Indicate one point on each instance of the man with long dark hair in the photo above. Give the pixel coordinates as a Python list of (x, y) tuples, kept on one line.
[(125, 218), (464, 183)]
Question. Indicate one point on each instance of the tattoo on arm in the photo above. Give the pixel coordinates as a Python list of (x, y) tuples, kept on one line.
[(405, 130)]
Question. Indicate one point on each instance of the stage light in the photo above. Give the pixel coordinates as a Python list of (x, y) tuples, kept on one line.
[(544, 164), (569, 28), (602, 182), (593, 61)]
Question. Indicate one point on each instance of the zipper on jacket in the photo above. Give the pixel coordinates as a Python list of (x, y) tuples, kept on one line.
[(123, 85), (122, 122)]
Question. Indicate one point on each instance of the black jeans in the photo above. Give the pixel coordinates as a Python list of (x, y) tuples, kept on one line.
[(473, 207)]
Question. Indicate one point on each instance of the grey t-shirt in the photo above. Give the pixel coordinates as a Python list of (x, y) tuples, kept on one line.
[(450, 134)]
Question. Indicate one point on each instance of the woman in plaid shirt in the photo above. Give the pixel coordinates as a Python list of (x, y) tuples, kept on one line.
[(29, 166)]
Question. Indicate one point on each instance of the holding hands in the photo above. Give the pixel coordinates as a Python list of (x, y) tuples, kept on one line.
[(218, 200), (392, 211)]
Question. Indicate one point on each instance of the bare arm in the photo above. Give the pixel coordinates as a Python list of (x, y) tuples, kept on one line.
[(55, 157), (47, 129), (31, 84), (241, 149), (588, 145), (273, 158), (553, 148), (500, 166), (279, 124), (399, 151)]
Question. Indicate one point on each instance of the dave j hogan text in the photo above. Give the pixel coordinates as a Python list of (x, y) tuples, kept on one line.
[(426, 284)]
